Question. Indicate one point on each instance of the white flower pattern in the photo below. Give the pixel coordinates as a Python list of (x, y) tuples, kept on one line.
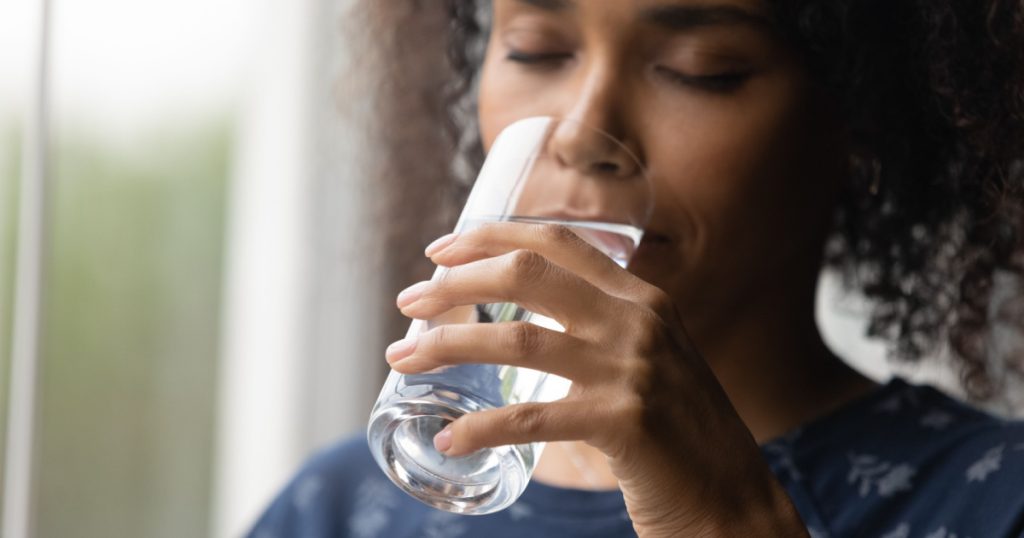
[(817, 533), (936, 419), (895, 403), (988, 464), (889, 405), (520, 510), (941, 532), (868, 472), (897, 479), (902, 531), (307, 491), (375, 500), (783, 459), (443, 525)]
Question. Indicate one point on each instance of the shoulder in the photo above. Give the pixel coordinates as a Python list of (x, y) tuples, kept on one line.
[(907, 419), (330, 492), (909, 457), (919, 419), (963, 467), (981, 455)]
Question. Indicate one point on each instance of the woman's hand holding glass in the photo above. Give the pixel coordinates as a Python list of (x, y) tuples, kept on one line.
[(641, 393)]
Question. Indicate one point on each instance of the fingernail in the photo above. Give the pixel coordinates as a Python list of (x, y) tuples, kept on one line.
[(439, 244), (443, 439), (410, 294), (400, 349)]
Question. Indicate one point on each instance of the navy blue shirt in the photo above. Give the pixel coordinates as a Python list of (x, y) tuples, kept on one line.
[(905, 461)]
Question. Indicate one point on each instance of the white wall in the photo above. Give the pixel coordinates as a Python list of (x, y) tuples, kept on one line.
[(300, 348)]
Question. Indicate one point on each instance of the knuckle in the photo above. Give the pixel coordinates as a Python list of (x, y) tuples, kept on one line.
[(487, 229), (444, 279), (482, 234), (524, 339), (558, 233), (630, 412), (439, 337), (639, 375), (658, 302), (526, 266), (644, 353), (648, 336), (631, 408), (468, 428), (526, 419)]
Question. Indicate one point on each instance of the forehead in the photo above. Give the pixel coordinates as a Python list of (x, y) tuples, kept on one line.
[(755, 6), (672, 14)]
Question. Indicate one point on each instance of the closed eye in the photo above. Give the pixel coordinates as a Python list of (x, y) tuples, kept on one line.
[(718, 82), (539, 59)]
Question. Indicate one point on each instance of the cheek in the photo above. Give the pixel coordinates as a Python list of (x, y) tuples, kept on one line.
[(751, 176), (500, 100), (490, 115), (507, 95)]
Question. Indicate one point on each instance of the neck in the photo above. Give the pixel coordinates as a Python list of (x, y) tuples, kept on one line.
[(774, 365)]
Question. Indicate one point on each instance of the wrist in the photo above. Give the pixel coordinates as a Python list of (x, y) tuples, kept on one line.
[(776, 516), (762, 509), (759, 508)]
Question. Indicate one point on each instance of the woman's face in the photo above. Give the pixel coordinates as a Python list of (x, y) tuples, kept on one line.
[(741, 146)]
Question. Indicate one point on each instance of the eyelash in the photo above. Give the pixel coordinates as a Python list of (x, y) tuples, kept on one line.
[(721, 83), (537, 59)]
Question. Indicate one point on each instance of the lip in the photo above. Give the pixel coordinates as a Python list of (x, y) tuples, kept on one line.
[(655, 237), (653, 234), (653, 248), (570, 215), (652, 237)]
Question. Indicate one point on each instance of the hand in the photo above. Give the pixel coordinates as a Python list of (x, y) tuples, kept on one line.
[(641, 393)]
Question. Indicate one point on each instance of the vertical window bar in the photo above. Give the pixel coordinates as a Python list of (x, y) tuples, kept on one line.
[(28, 295)]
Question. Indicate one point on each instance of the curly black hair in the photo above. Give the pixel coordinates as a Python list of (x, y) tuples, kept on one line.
[(933, 94), (933, 214)]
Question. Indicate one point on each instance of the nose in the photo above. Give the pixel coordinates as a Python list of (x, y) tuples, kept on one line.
[(592, 136), (591, 151)]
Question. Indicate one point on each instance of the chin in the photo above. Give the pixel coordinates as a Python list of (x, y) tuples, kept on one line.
[(657, 261)]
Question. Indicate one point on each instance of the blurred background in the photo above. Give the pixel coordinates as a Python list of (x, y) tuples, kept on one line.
[(206, 320), (220, 253)]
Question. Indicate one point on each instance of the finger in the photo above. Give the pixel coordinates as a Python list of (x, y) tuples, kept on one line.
[(515, 344), (521, 277), (571, 248), (562, 420)]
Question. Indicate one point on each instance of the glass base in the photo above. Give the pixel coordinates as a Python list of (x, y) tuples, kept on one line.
[(401, 437)]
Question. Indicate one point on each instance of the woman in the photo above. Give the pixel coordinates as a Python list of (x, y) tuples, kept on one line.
[(880, 138)]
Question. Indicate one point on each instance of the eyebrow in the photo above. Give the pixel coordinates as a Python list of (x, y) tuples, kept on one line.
[(679, 18), (550, 5)]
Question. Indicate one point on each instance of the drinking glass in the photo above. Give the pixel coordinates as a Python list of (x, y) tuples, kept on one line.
[(539, 170)]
